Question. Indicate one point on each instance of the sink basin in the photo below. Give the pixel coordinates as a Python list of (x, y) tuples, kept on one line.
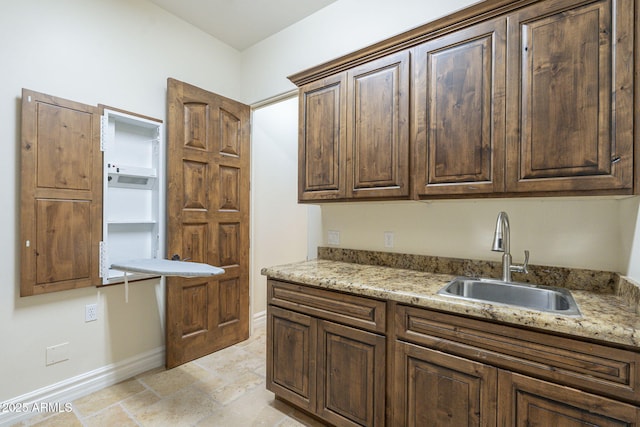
[(542, 298)]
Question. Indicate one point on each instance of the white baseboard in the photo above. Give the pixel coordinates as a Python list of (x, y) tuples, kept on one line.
[(260, 319), (64, 392)]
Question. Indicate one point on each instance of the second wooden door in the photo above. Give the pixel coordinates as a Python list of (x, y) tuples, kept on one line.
[(207, 220)]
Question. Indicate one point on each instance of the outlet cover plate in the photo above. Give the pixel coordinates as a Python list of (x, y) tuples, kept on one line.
[(333, 237), (91, 312), (388, 239)]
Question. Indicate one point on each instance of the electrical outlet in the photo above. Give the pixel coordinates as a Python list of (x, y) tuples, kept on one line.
[(91, 312), (333, 237), (57, 353), (388, 239)]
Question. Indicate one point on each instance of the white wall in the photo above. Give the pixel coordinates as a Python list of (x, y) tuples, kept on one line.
[(115, 52), (630, 237), (338, 29), (600, 233), (579, 232), (279, 225)]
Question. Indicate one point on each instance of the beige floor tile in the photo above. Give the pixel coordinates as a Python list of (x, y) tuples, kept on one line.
[(184, 408), (242, 384), (260, 407), (170, 381), (300, 419), (223, 417), (215, 382), (140, 401), (65, 419), (112, 416), (99, 400)]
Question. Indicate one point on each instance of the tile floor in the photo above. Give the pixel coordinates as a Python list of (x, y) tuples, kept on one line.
[(226, 389)]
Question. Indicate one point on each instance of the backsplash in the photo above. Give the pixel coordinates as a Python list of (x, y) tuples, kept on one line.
[(571, 278)]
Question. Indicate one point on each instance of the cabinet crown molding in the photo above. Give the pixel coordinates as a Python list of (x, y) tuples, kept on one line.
[(455, 21)]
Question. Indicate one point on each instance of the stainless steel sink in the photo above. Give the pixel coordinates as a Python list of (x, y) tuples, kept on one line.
[(542, 298)]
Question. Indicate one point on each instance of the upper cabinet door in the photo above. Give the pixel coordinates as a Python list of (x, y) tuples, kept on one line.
[(570, 96), (458, 112), (378, 128), (61, 194), (322, 144)]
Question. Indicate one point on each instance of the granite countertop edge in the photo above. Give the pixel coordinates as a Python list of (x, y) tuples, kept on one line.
[(606, 317)]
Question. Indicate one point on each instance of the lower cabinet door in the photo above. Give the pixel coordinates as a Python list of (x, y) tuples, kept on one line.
[(434, 389), (528, 402), (351, 376), (291, 349)]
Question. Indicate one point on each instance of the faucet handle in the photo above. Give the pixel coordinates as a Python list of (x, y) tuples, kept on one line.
[(524, 267)]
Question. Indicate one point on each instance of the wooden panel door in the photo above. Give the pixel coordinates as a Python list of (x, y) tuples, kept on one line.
[(378, 128), (61, 195), (436, 389), (207, 220), (291, 356), (570, 96), (321, 144), (351, 376), (528, 402), (458, 113)]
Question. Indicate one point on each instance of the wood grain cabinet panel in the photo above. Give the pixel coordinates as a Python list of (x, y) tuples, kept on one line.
[(458, 112), (570, 96), (354, 133), (291, 350), (526, 402), (351, 376), (61, 195), (436, 389), (322, 140), (333, 370), (378, 128)]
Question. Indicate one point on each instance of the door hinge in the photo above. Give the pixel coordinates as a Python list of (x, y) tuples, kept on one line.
[(104, 128), (104, 269)]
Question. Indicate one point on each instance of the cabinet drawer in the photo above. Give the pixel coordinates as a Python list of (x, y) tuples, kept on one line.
[(588, 366), (364, 313)]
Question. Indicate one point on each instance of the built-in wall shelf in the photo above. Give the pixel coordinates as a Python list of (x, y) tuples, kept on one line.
[(133, 196)]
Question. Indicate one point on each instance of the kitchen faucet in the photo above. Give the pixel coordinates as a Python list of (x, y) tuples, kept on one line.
[(501, 243)]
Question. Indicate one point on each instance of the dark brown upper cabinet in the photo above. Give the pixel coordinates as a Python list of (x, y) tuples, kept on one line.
[(378, 128), (322, 140), (570, 88), (354, 133), (508, 98), (458, 112), (61, 195)]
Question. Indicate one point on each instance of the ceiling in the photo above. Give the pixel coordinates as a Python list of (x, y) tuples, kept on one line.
[(242, 23)]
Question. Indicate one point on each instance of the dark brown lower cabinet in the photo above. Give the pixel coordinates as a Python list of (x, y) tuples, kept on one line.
[(291, 362), (529, 402), (351, 367), (331, 370), (442, 390), (453, 371), (329, 353)]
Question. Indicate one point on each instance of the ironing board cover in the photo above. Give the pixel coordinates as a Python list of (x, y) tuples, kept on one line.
[(166, 267)]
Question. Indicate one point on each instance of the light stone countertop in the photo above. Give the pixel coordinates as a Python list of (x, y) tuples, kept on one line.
[(605, 316)]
